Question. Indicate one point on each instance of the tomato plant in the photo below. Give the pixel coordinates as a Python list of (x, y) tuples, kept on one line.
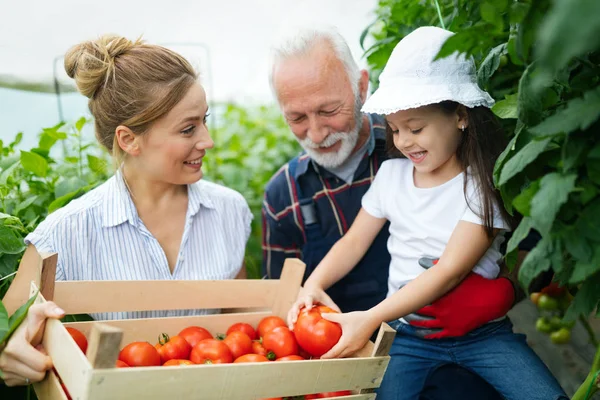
[(243, 327), (194, 334), (171, 348), (315, 334), (79, 338), (281, 341), (140, 354), (211, 351)]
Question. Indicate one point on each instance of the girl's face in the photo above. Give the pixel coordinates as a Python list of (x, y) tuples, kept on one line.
[(173, 149), (429, 138)]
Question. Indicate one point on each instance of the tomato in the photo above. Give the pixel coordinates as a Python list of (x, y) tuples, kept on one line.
[(211, 351), (535, 297), (334, 394), (243, 327), (258, 348), (239, 343), (281, 341), (556, 322), (121, 364), (543, 325), (79, 338), (269, 323), (251, 358), (140, 354), (291, 358), (175, 347), (177, 362), (547, 303), (553, 290), (194, 334), (315, 334), (561, 336)]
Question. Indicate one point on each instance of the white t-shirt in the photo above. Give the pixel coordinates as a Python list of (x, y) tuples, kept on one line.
[(422, 219)]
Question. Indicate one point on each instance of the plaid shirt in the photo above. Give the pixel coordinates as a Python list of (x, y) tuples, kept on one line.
[(336, 204)]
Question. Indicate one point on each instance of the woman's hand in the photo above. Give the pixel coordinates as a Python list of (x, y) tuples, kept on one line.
[(21, 362), (308, 297), (357, 328)]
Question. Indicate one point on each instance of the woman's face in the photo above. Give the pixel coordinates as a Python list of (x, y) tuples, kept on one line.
[(173, 149)]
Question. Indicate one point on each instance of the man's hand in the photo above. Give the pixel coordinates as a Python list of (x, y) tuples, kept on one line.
[(474, 302)]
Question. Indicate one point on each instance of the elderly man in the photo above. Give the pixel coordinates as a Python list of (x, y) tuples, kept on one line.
[(312, 200)]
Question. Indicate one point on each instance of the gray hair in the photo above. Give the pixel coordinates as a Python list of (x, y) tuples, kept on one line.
[(303, 40)]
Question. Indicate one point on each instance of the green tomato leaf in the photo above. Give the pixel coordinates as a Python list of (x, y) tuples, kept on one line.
[(518, 236), (586, 299), (522, 158), (536, 262), (553, 193), (15, 320), (34, 163), (506, 108), (9, 242)]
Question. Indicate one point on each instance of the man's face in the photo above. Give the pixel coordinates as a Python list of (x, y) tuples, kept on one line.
[(319, 105)]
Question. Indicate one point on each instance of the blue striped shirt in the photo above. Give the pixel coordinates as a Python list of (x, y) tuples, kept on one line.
[(100, 236)]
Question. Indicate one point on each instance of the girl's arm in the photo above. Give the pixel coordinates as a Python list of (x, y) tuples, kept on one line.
[(466, 246)]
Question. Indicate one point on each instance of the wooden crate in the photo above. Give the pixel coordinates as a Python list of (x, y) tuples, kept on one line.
[(93, 377)]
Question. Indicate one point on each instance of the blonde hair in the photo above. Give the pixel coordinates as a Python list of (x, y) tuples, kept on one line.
[(128, 83)]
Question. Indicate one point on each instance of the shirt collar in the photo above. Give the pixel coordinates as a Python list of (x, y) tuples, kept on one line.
[(197, 197), (377, 132)]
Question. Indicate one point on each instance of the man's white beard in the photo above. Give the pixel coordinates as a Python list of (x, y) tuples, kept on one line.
[(335, 158)]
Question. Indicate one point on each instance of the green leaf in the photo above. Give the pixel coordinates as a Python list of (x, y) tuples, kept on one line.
[(554, 192), (555, 48), (579, 113), (519, 234), (8, 263), (529, 101), (490, 65), (583, 269), (522, 202), (588, 223), (517, 12), (489, 13), (503, 156), (97, 164), (68, 185), (522, 158), (9, 242), (536, 262), (576, 244), (26, 203), (7, 173), (506, 108), (586, 299), (15, 320), (64, 200), (34, 163), (80, 124), (3, 322)]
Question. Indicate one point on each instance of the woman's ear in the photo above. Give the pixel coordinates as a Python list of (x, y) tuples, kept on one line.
[(127, 140), (462, 118)]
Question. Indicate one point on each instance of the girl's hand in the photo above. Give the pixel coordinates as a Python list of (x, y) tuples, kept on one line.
[(357, 328), (20, 362), (308, 297)]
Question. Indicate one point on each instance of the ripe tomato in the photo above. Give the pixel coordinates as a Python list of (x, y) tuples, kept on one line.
[(258, 348), (175, 347), (79, 338), (177, 362), (194, 334), (121, 364), (291, 358), (334, 394), (281, 341), (211, 351), (553, 290), (268, 323), (239, 343), (140, 354), (251, 358), (315, 334), (243, 327)]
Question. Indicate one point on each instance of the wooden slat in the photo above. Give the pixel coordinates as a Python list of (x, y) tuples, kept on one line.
[(85, 297), (49, 388), (289, 286), (148, 329), (48, 274), (103, 345), (238, 382), (382, 346)]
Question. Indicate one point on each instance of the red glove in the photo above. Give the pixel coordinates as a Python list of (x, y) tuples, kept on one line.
[(475, 301)]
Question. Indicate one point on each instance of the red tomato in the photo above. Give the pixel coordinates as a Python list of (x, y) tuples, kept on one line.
[(176, 362), (121, 364), (268, 323), (251, 358), (194, 334), (79, 338), (175, 347), (315, 334), (239, 343), (211, 351), (243, 327), (334, 394), (258, 348), (291, 358), (311, 396), (281, 341), (553, 290), (140, 354)]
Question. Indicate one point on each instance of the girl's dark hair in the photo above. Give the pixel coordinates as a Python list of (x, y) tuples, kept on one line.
[(481, 144)]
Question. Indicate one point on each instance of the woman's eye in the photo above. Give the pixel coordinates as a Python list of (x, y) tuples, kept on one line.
[(189, 131), (205, 119), (415, 131)]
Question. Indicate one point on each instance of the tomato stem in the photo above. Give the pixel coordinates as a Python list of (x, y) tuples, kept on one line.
[(589, 330), (590, 385), (163, 339)]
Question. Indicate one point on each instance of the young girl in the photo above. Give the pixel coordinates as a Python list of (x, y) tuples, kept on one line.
[(441, 203)]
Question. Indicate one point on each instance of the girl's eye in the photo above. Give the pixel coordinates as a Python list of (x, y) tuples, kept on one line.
[(190, 130), (415, 131)]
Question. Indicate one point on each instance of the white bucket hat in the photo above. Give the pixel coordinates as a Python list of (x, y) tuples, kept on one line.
[(411, 77)]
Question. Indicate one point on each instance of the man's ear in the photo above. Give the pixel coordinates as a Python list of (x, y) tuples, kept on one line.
[(363, 85), (127, 140)]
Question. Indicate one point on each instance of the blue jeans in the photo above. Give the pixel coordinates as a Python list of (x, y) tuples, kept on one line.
[(492, 351)]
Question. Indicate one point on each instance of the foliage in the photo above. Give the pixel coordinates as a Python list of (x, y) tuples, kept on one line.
[(541, 62)]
